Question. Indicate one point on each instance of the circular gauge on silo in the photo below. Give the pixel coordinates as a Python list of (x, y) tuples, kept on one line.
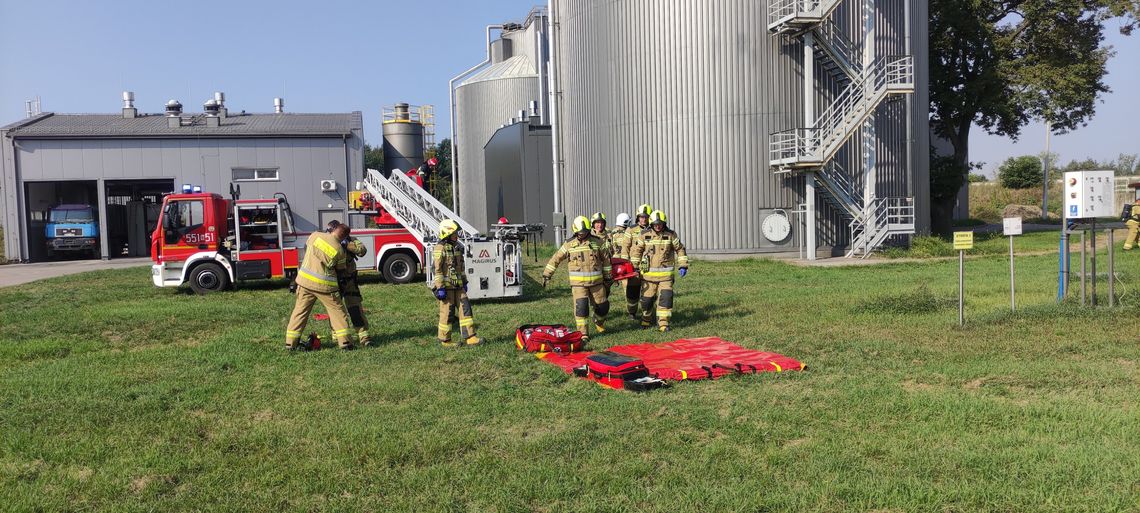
[(776, 227)]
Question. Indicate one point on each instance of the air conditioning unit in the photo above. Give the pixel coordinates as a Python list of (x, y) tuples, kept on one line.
[(328, 185)]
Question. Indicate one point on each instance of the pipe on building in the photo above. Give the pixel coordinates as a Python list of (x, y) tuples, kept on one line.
[(454, 135), (555, 148)]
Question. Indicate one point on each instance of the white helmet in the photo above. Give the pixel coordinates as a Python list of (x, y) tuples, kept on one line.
[(623, 219)]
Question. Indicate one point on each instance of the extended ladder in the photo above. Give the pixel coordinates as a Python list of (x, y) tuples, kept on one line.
[(412, 206)]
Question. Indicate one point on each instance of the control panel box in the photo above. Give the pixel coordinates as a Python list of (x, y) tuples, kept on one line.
[(1089, 194)]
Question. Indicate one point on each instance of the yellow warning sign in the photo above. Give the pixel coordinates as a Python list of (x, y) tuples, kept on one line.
[(963, 240)]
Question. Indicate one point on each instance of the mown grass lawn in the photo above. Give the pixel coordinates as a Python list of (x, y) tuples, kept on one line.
[(115, 395)]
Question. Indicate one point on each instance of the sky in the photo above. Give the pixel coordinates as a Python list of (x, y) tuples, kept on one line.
[(341, 56)]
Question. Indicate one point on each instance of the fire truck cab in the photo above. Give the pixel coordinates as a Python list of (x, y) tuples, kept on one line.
[(212, 243)]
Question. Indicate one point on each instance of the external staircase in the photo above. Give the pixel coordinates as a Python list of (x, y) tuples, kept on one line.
[(864, 86)]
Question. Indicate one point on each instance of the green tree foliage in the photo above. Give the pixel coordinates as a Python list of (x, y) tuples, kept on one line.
[(440, 183), (999, 64), (977, 178), (1020, 172), (373, 157)]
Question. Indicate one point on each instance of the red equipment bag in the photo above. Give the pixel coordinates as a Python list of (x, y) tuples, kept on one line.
[(621, 269), (619, 371), (541, 338)]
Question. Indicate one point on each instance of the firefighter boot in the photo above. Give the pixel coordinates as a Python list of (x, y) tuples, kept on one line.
[(473, 341)]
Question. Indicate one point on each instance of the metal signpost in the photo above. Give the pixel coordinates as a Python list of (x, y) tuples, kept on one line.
[(962, 242), (1011, 226)]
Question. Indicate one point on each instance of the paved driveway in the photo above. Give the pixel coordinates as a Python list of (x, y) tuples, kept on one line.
[(17, 274)]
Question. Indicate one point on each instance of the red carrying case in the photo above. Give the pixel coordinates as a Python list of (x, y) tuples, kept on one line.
[(621, 269), (541, 338)]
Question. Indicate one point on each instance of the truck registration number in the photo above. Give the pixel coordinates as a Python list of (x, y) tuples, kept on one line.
[(199, 238)]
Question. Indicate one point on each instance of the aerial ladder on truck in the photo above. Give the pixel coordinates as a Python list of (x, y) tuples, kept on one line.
[(494, 263)]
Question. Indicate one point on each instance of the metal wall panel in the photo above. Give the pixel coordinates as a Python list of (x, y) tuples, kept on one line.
[(671, 103)]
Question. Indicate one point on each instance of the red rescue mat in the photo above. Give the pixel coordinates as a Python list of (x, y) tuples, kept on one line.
[(684, 359), (539, 338)]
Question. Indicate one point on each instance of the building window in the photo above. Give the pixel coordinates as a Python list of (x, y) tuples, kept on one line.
[(255, 174)]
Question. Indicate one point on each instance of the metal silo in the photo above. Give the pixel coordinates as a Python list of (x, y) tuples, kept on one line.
[(487, 97), (673, 103), (403, 138)]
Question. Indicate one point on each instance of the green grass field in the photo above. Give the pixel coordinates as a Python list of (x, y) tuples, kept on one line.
[(118, 396)]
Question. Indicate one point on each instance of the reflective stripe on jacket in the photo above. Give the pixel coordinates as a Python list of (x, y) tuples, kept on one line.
[(324, 259), (588, 261), (658, 255), (447, 265)]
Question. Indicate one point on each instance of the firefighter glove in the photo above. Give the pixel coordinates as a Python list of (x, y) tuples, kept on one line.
[(684, 271), (440, 294)]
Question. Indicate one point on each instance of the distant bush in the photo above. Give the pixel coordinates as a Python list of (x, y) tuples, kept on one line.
[(918, 301), (977, 178), (1020, 172)]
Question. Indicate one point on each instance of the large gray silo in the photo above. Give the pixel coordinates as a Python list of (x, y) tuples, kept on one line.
[(403, 138), (672, 103), (489, 97)]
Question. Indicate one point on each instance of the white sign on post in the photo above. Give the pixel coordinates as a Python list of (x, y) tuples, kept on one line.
[(1011, 226)]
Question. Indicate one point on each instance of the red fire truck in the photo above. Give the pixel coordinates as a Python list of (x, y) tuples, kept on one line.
[(212, 242)]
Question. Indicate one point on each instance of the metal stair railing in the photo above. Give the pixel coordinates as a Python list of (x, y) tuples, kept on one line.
[(411, 205), (839, 188), (842, 51), (812, 147), (885, 217), (786, 16)]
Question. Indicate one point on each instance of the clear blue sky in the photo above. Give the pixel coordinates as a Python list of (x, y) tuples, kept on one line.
[(339, 55)]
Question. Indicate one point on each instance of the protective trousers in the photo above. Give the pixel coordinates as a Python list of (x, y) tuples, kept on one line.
[(1133, 237), (632, 294), (353, 302), (584, 297), (455, 299), (338, 316), (660, 292)]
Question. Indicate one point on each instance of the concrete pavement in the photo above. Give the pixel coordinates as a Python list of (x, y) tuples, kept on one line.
[(18, 274)]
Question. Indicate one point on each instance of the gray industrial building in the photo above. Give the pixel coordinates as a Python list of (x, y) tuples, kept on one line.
[(760, 127), (123, 163)]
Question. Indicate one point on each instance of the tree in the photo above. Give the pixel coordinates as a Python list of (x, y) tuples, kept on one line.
[(1020, 172), (1126, 164), (999, 64), (373, 157), (977, 178), (441, 180), (1088, 164)]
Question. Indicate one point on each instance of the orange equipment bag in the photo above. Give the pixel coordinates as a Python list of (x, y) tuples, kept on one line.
[(621, 269)]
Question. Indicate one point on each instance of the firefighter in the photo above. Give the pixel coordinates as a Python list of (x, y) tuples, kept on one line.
[(619, 235), (598, 222), (350, 289), (633, 285), (449, 286), (317, 280), (589, 269), (1133, 223), (659, 254)]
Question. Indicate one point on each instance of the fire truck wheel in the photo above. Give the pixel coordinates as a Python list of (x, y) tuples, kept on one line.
[(208, 277), (398, 268)]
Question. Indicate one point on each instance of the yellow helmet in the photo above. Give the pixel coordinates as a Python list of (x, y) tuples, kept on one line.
[(447, 227), (581, 224), (658, 217), (598, 216), (644, 210)]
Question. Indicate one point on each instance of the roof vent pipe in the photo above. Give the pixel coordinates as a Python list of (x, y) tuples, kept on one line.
[(402, 113), (220, 97), (534, 109), (129, 110), (173, 108), (279, 105), (211, 107)]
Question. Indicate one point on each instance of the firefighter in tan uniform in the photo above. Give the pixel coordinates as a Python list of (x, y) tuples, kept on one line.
[(619, 235), (589, 268), (317, 280), (449, 286), (1133, 224), (659, 254), (350, 289), (633, 285)]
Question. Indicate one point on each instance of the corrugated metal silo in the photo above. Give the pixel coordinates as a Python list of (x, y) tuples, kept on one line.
[(487, 100), (672, 103)]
